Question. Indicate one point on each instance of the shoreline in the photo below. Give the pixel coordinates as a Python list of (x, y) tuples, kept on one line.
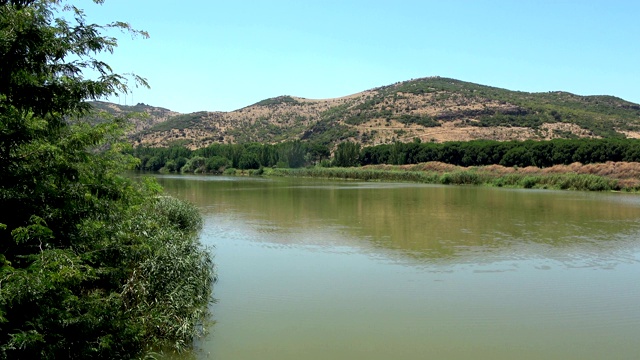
[(619, 176)]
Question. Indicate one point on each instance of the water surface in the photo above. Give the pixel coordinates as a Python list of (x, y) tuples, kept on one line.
[(313, 269)]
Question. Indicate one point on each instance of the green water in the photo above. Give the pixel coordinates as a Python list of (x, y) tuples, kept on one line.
[(314, 269)]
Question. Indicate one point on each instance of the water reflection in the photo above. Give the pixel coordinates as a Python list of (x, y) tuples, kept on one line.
[(345, 270), (427, 223)]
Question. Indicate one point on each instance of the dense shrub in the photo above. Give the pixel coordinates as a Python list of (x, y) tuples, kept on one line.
[(93, 265)]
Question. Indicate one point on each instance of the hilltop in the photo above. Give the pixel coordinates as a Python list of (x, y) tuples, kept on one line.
[(432, 109), (142, 116)]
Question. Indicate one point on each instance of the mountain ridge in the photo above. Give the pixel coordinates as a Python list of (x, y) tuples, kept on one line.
[(430, 109)]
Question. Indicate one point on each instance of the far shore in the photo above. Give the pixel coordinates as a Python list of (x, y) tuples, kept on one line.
[(610, 176)]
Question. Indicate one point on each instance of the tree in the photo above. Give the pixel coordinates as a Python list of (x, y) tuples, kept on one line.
[(92, 264), (194, 165), (317, 152), (292, 153), (347, 154), (217, 164)]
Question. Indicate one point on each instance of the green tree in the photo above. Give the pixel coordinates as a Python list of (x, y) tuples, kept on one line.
[(347, 154), (217, 164), (317, 152), (250, 158), (92, 264), (194, 165), (292, 153), (517, 156), (154, 163)]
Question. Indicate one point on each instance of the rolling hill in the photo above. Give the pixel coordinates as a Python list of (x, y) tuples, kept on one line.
[(432, 109), (141, 116)]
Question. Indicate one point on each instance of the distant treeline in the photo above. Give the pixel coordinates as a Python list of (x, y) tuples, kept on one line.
[(508, 153), (217, 158)]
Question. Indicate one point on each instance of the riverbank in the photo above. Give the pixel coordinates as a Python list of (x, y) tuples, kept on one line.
[(610, 176)]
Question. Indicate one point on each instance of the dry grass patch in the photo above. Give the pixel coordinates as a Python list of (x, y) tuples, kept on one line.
[(626, 174)]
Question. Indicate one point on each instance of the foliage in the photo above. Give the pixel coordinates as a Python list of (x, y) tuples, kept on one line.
[(471, 176), (92, 264), (347, 154), (420, 120), (277, 100), (292, 154), (215, 158), (327, 130), (194, 165), (179, 122), (508, 153), (214, 164)]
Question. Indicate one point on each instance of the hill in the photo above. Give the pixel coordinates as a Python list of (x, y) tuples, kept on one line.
[(432, 109), (142, 116)]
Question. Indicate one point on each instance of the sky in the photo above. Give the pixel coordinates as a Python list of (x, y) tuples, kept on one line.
[(224, 55)]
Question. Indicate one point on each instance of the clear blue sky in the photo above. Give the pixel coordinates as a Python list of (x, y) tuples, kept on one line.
[(223, 55)]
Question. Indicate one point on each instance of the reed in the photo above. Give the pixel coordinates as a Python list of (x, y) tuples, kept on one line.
[(592, 177)]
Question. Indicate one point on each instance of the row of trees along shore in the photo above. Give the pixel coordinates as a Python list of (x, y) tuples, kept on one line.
[(93, 265), (217, 158)]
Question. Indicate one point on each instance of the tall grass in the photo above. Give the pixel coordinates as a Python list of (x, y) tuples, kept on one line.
[(358, 174), (593, 177)]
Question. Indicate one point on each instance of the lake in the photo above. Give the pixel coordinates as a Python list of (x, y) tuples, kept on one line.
[(319, 269)]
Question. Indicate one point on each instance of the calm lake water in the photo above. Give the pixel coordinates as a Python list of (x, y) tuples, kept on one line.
[(312, 269)]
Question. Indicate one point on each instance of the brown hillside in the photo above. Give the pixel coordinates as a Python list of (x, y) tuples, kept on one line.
[(141, 116), (431, 109)]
